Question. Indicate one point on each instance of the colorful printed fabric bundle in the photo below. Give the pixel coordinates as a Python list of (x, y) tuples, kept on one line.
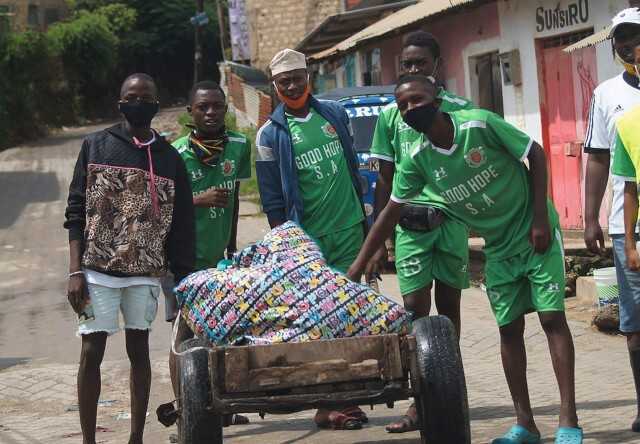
[(281, 290)]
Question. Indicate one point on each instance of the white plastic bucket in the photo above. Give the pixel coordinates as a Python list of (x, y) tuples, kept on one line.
[(606, 286)]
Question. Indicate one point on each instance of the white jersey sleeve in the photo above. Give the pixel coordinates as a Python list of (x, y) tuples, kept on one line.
[(597, 138)]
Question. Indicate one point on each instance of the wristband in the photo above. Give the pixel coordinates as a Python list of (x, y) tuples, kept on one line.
[(76, 273)]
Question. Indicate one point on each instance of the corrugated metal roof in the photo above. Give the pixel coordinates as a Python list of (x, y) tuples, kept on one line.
[(397, 20), (592, 40), (338, 27)]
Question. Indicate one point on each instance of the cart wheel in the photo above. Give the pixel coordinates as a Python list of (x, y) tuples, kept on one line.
[(443, 409), (196, 424)]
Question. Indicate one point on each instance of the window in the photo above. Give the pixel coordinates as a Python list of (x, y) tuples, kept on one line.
[(33, 16), (372, 69), (350, 70), (363, 129)]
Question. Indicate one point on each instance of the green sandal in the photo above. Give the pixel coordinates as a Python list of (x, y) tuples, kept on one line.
[(569, 435), (518, 435)]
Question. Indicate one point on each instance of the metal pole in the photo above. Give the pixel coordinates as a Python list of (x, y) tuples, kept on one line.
[(222, 30), (197, 57)]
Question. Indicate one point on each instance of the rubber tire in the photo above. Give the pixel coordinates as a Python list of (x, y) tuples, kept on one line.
[(442, 405), (196, 424)]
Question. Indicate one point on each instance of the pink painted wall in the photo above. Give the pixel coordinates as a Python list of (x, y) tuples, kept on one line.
[(390, 50), (456, 31)]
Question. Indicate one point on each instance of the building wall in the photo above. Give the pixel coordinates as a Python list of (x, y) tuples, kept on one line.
[(522, 104), (455, 34), (504, 26), (20, 8), (250, 106), (390, 49), (467, 31), (279, 24), (519, 31)]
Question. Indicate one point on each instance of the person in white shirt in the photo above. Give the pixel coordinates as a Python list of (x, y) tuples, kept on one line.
[(611, 99)]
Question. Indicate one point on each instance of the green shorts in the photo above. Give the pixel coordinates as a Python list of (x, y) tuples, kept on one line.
[(341, 248), (527, 282), (441, 254)]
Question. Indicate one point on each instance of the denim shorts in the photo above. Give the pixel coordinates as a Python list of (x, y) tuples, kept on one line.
[(628, 288), (138, 303)]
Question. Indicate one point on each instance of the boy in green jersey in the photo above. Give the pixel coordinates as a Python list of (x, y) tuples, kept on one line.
[(626, 164), (421, 256), (306, 165), (471, 166), (307, 172), (216, 160)]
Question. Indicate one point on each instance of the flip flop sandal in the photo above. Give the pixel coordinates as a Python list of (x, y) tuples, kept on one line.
[(357, 413), (407, 424), (569, 435), (234, 419), (518, 435), (339, 421)]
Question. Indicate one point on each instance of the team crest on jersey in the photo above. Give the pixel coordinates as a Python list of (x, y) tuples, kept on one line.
[(329, 130), (475, 157), (228, 166)]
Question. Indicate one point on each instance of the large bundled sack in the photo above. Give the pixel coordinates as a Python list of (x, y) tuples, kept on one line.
[(281, 290)]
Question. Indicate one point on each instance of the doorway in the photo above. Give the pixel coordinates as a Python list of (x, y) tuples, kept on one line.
[(564, 101), (486, 82)]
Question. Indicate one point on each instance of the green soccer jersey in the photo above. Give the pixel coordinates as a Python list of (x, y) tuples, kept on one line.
[(213, 225), (622, 164), (480, 181), (393, 138), (329, 200)]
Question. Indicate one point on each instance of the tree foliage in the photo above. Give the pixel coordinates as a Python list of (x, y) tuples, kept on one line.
[(121, 19), (25, 84), (74, 69), (88, 50), (161, 42)]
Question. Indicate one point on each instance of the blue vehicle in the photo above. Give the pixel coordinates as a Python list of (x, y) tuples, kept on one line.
[(363, 105)]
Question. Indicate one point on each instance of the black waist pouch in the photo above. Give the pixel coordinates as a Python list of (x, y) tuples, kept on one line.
[(421, 217)]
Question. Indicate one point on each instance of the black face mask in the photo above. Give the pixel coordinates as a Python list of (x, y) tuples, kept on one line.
[(421, 118), (139, 114)]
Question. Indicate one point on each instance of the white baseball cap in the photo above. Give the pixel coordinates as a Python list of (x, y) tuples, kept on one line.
[(626, 16), (287, 60)]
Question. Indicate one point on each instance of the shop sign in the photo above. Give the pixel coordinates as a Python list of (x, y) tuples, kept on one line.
[(575, 13)]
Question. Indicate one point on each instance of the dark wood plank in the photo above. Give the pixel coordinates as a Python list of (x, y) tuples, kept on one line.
[(311, 373), (352, 350), (392, 363), (236, 368)]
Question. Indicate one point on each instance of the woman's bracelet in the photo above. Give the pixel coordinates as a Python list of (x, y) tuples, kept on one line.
[(76, 273)]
